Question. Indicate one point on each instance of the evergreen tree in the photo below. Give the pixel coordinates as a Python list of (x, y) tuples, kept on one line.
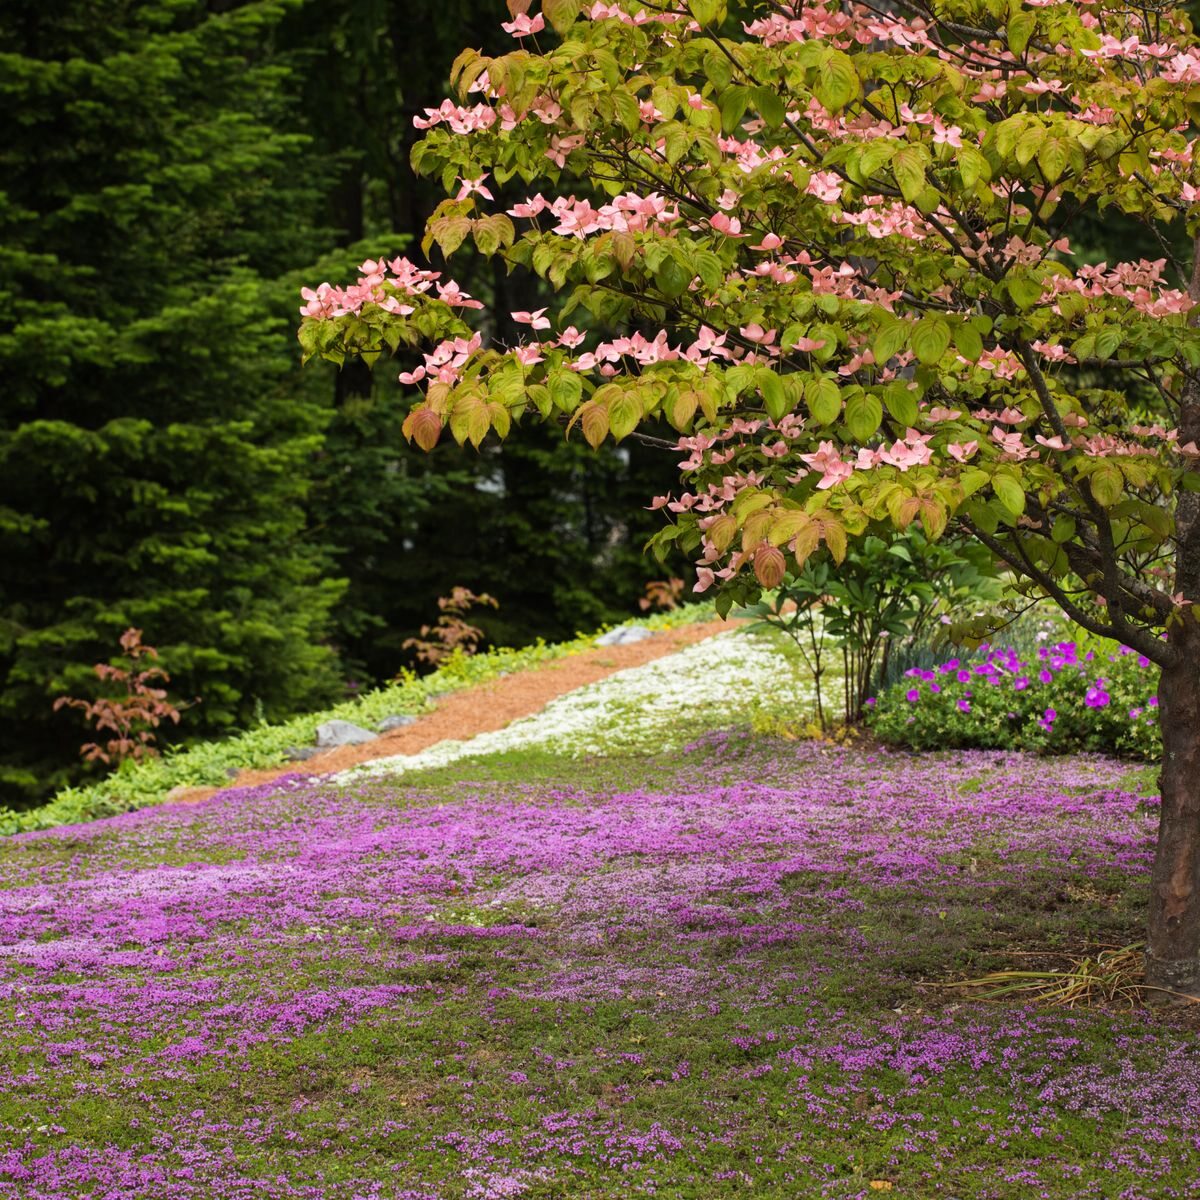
[(154, 452)]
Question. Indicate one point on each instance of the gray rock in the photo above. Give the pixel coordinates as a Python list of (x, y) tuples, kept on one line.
[(342, 733), (299, 753), (399, 721), (625, 635)]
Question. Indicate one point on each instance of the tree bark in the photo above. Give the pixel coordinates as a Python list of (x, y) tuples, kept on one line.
[(1173, 933), (1173, 936)]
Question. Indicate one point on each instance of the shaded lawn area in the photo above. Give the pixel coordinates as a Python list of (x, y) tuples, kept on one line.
[(699, 975)]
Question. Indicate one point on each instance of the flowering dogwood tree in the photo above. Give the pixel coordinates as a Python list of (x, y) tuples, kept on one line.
[(839, 239)]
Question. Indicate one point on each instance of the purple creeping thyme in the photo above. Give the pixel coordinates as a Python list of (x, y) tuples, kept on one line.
[(503, 989)]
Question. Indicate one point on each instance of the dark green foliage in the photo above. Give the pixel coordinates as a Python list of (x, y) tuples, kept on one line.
[(153, 455), (553, 530), (170, 172), (563, 551)]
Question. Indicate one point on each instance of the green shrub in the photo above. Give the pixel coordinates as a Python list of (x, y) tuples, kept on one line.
[(1063, 697)]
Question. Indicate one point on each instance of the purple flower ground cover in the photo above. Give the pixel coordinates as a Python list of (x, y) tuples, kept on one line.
[(698, 976)]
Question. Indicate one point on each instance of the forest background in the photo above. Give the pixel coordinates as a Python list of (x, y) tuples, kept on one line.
[(171, 171)]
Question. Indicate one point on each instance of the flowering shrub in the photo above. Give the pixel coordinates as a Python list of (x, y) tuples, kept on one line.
[(1059, 699), (662, 594)]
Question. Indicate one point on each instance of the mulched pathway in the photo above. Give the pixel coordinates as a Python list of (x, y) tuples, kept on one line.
[(486, 706)]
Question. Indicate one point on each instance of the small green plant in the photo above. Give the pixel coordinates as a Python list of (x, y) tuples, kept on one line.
[(886, 591), (451, 632), (131, 716)]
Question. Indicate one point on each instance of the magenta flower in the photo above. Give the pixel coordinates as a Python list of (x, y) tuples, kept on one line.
[(913, 695)]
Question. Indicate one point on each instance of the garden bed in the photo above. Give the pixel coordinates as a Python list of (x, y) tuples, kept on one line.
[(705, 973)]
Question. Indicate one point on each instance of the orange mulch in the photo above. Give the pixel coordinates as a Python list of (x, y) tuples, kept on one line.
[(484, 707)]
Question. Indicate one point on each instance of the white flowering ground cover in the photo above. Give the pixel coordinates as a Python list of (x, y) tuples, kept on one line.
[(658, 706)]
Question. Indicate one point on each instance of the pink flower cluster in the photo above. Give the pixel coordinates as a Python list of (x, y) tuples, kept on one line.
[(445, 362), (627, 213), (860, 25), (1139, 283), (378, 283)]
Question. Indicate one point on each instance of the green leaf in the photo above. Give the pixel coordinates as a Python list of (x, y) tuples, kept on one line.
[(1010, 493), (560, 13), (1107, 484), (775, 398), (972, 166), (1108, 342), (770, 106), (672, 278), (624, 413), (930, 340), (708, 12), (874, 155), (1052, 159), (1025, 292), (678, 141), (487, 238), (1063, 530), (889, 340), (971, 480), (566, 389), (864, 412), (824, 399), (901, 403), (908, 165), (968, 341), (1029, 143), (710, 269), (718, 69), (1020, 30), (733, 104), (837, 81), (1007, 133), (594, 419), (626, 107)]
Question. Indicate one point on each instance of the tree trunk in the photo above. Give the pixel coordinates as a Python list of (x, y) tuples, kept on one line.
[(1173, 936)]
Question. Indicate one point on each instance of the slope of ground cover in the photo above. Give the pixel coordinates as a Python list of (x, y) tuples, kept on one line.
[(210, 764), (654, 707), (490, 706), (694, 975)]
